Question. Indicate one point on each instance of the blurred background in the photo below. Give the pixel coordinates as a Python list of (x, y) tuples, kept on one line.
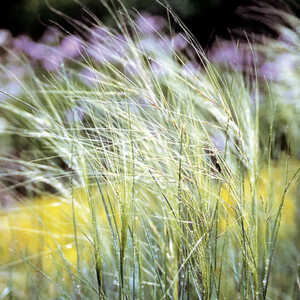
[(205, 18)]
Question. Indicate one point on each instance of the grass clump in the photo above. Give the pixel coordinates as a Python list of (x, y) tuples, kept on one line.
[(160, 185)]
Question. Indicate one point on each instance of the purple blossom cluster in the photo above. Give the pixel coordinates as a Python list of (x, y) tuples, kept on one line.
[(101, 44), (237, 56), (51, 53), (277, 62), (269, 64), (96, 48)]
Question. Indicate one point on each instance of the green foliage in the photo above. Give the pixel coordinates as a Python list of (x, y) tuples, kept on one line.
[(166, 190)]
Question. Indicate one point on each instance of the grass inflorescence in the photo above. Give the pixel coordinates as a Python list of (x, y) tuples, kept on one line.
[(150, 175)]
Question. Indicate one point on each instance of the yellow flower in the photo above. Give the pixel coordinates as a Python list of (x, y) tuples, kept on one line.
[(40, 232), (266, 195)]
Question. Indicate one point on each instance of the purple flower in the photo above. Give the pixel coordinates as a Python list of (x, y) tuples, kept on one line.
[(276, 69), (227, 53), (36, 51), (178, 42), (51, 36), (5, 37), (148, 24), (240, 57), (70, 46), (156, 45), (22, 43), (112, 49), (269, 70), (99, 33), (52, 62)]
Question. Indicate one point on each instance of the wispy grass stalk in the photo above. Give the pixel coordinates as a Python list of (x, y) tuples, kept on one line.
[(161, 189)]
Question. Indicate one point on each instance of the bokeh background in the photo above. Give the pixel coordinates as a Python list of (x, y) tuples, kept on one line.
[(48, 88), (205, 18)]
